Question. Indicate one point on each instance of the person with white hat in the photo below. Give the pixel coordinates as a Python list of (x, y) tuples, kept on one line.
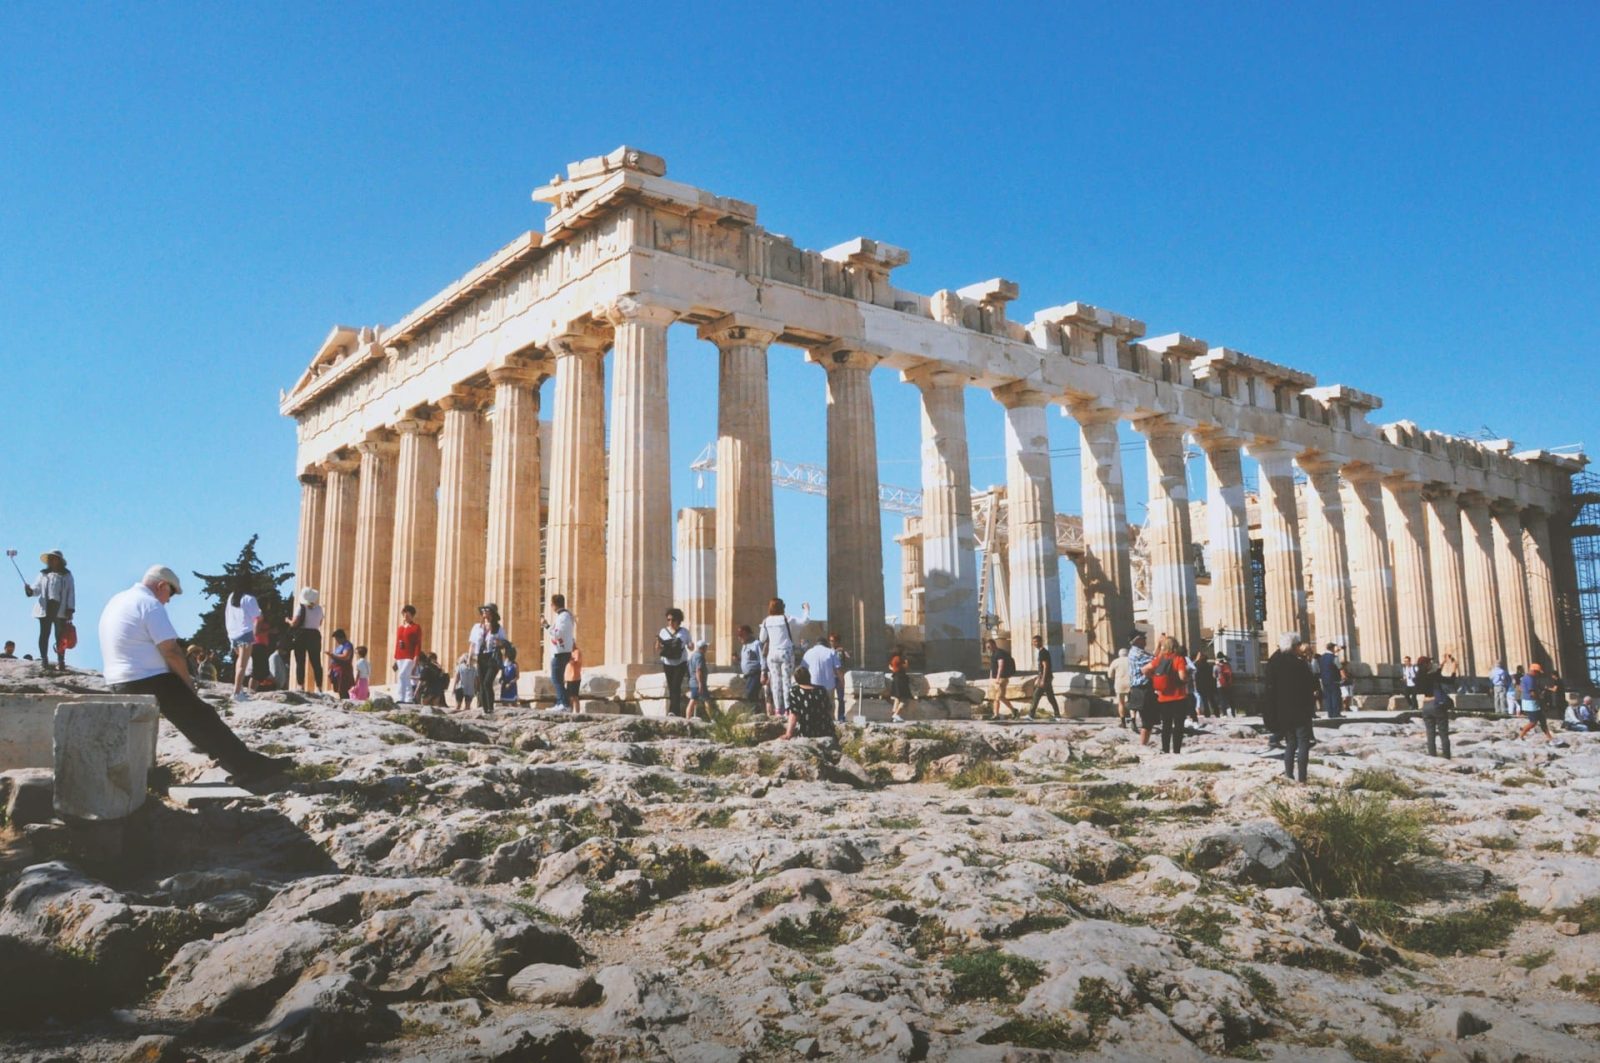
[(305, 637), (57, 602), (141, 652)]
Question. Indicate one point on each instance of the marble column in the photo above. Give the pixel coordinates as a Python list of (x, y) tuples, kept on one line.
[(308, 545), (1483, 586), (1174, 599), (416, 525), (1105, 576), (1448, 572), (949, 544), (1413, 590), (855, 528), (1539, 560), (511, 572), (694, 576), (1228, 523), (639, 495), (575, 548), (1281, 556), (338, 568), (746, 563), (912, 592), (374, 557), (1371, 573), (1330, 563), (1035, 562), (1511, 571), (463, 524)]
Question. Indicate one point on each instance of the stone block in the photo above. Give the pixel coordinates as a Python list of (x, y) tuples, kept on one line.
[(865, 684), (652, 707), (28, 729), (535, 686), (103, 753), (204, 793), (650, 685), (28, 795), (726, 685), (596, 685), (940, 683)]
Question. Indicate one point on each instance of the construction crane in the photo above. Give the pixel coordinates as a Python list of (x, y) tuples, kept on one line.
[(813, 480)]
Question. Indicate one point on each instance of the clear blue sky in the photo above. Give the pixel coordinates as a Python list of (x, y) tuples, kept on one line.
[(1399, 197)]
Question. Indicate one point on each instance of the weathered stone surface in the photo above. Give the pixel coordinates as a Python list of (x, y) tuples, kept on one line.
[(28, 795), (103, 754), (1260, 853), (548, 983)]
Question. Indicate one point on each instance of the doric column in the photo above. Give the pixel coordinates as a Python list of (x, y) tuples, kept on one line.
[(694, 577), (511, 572), (855, 529), (1539, 560), (1571, 652), (639, 496), (746, 564), (1448, 572), (912, 592), (575, 550), (1174, 600), (308, 545), (1035, 588), (1330, 564), (1105, 577), (1371, 576), (369, 597), (463, 523), (1483, 585), (1413, 590), (416, 526), (1228, 522), (1279, 510), (949, 546), (339, 541), (1512, 574)]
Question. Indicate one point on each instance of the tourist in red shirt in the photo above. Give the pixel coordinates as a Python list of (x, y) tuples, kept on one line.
[(407, 648)]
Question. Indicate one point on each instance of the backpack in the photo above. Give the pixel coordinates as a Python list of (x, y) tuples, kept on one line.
[(670, 649), (1165, 678)]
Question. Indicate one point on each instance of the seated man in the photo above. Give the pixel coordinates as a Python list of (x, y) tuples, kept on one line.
[(142, 656)]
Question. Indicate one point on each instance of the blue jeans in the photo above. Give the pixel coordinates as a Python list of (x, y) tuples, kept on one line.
[(558, 678), (1332, 699), (1296, 750)]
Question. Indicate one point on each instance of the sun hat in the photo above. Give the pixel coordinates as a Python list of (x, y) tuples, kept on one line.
[(165, 575), (308, 596), (48, 554)]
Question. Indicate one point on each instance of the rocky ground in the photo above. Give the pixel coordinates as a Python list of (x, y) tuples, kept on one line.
[(531, 887)]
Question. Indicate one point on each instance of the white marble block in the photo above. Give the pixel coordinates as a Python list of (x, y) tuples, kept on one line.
[(103, 753)]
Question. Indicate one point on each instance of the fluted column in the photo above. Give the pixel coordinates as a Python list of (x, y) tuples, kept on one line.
[(308, 544), (694, 577), (416, 527), (1539, 560), (1281, 555), (855, 529), (1448, 572), (1105, 576), (639, 496), (463, 523), (1035, 587), (339, 541), (949, 545), (1483, 586), (511, 572), (575, 553), (746, 562), (1512, 573), (912, 592), (1413, 590), (1330, 563), (369, 597), (1371, 576), (1174, 599), (1228, 522)]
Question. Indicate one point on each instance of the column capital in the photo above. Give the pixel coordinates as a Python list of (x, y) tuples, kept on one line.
[(342, 462), (579, 341), (1217, 440), (419, 422), (312, 476), (1401, 480), (378, 441), (1019, 394), (841, 355), (631, 310), (514, 374), (1320, 463), (1088, 412), (463, 398), (744, 330), (1505, 507), (1433, 491), (1359, 472), (933, 375), (1264, 448), (1474, 499), (1161, 426)]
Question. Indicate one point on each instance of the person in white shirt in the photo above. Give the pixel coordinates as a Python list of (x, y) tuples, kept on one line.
[(142, 656), (1408, 678), (57, 594), (822, 660), (777, 649), (239, 615), (674, 643), (561, 629), (487, 642), (305, 639)]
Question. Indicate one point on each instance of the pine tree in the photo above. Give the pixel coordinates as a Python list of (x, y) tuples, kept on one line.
[(264, 583)]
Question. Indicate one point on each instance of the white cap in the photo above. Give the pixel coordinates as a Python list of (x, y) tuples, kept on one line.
[(165, 575)]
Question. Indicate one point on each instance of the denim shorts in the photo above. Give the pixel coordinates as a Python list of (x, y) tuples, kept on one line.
[(243, 640)]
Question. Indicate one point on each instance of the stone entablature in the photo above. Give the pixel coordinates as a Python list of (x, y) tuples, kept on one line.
[(625, 245)]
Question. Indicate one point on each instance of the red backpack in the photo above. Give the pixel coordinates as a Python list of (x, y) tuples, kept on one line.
[(1168, 675)]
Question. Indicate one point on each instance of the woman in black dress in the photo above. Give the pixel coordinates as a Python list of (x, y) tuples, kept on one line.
[(810, 707)]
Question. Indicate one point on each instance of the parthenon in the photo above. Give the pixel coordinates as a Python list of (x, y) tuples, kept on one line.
[(422, 468)]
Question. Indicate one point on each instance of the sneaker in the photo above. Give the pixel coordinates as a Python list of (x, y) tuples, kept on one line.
[(897, 718), (240, 695)]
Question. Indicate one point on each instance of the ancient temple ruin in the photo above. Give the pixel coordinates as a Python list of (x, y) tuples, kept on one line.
[(422, 466)]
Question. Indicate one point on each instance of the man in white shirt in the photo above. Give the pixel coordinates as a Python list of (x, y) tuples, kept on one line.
[(822, 660), (562, 630), (142, 656)]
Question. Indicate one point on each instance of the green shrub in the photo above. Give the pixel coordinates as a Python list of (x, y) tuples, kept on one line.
[(982, 773), (1382, 781), (1038, 1033), (991, 975), (1202, 765), (1523, 812), (1356, 845), (822, 929), (1484, 927)]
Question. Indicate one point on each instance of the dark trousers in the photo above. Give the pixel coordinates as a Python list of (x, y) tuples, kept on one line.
[(1332, 700), (45, 624), (752, 686), (1296, 750), (1046, 689), (1173, 714), (1438, 728), (488, 676), (558, 678), (307, 643), (198, 721), (676, 673), (1411, 697)]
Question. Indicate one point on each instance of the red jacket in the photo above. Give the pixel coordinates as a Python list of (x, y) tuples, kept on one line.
[(408, 642)]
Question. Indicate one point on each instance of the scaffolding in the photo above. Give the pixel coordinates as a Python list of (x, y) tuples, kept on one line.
[(1586, 557)]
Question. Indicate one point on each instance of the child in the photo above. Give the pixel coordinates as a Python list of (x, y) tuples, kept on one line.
[(466, 682), (574, 676), (508, 680), (698, 696), (362, 690), (431, 680)]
